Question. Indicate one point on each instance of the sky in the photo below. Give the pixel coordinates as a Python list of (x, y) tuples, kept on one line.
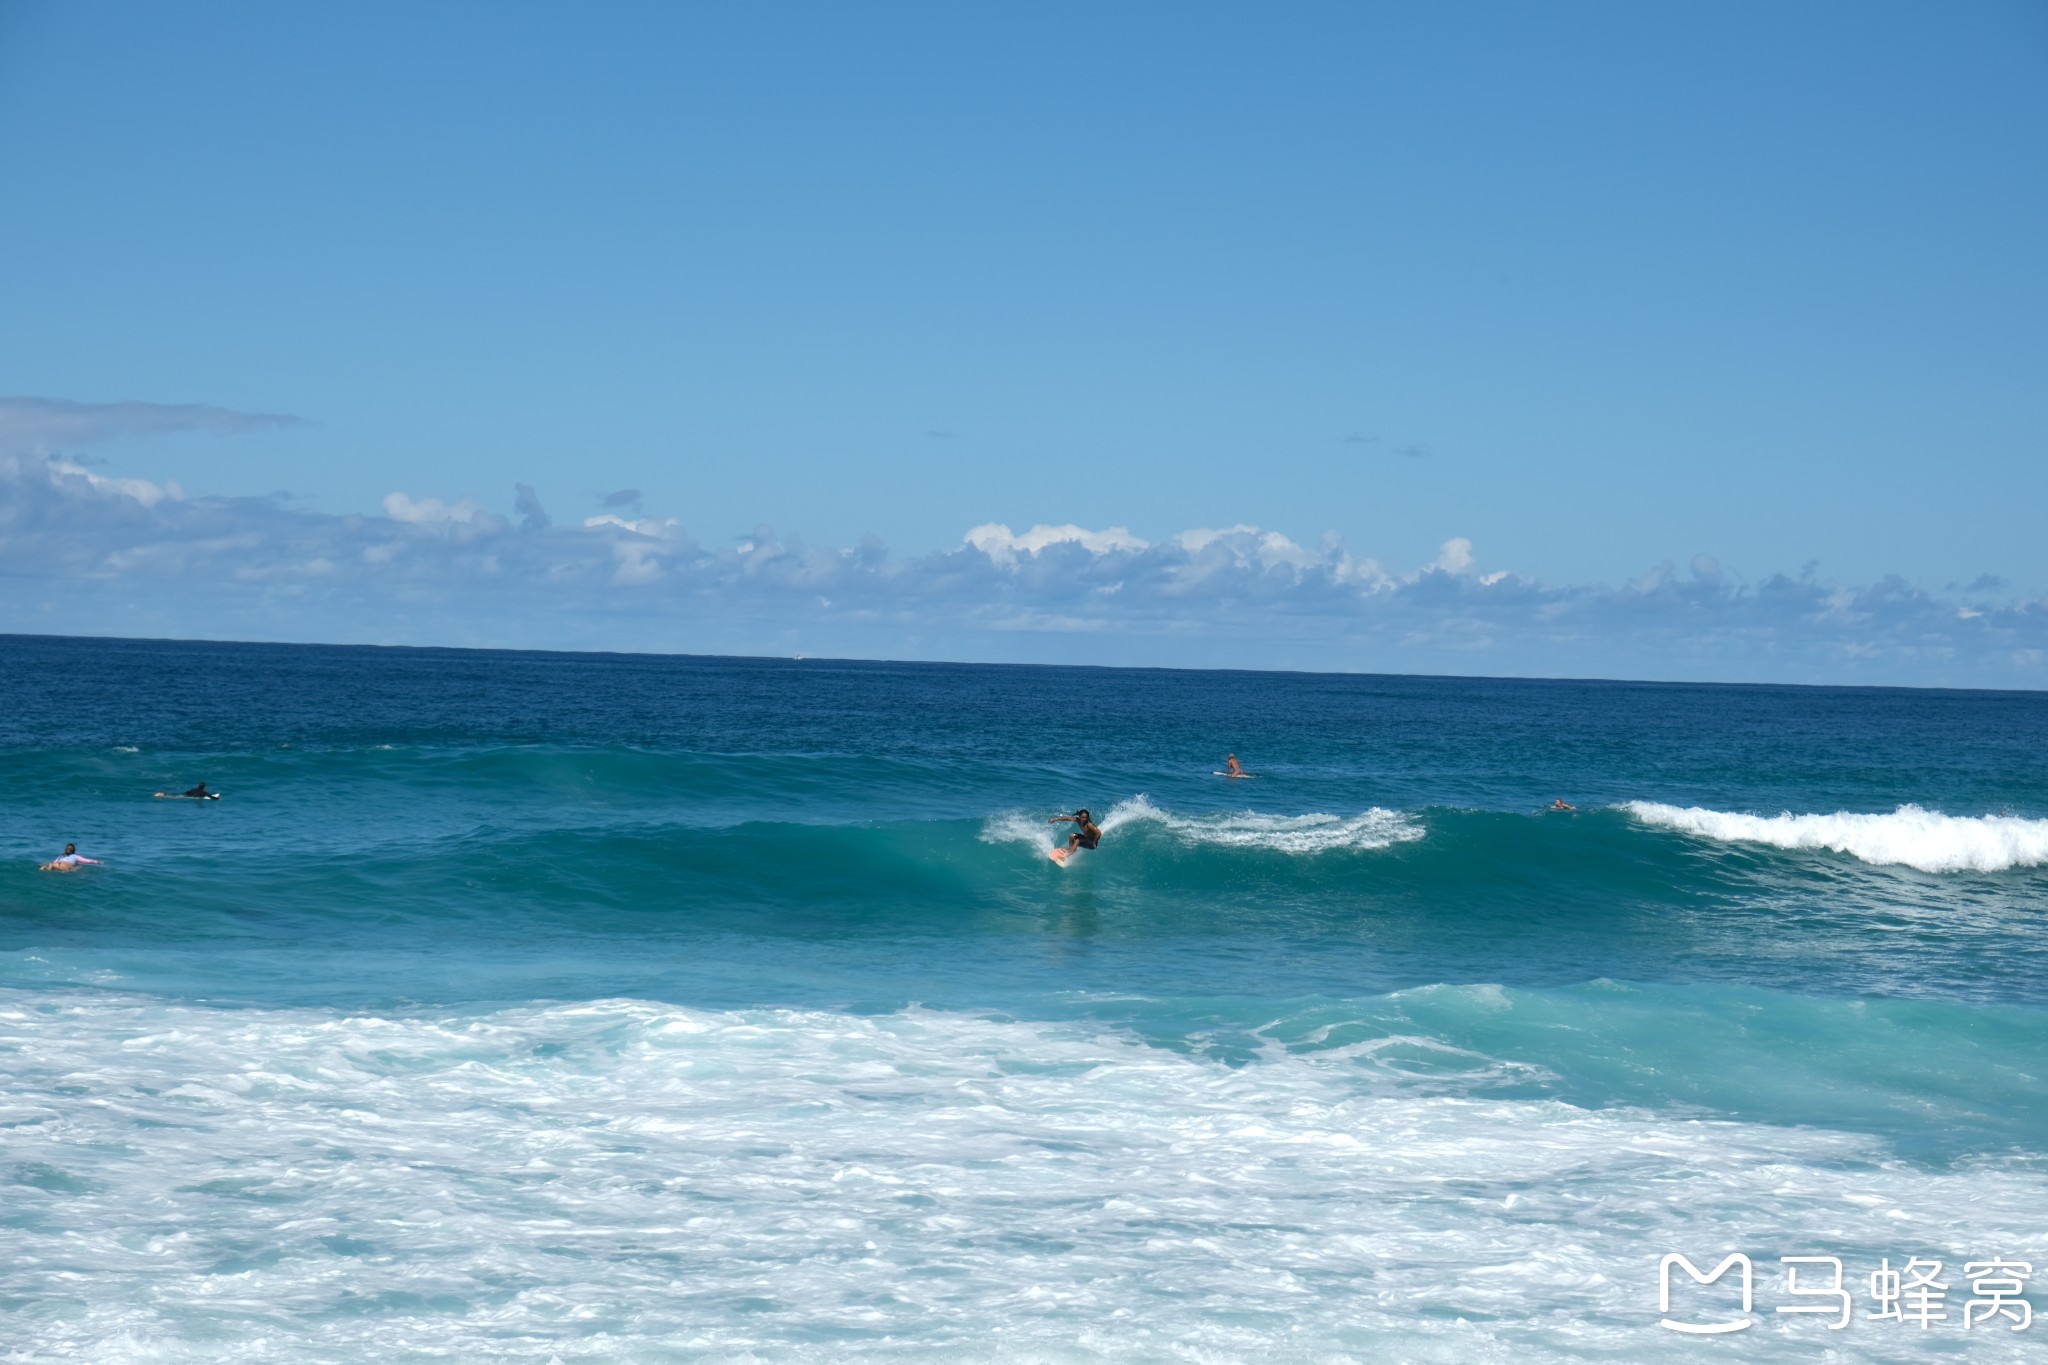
[(1581, 339)]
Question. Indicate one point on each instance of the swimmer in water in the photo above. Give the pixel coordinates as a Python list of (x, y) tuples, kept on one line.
[(1231, 767), (1087, 836), (1561, 804), (199, 791), (70, 862)]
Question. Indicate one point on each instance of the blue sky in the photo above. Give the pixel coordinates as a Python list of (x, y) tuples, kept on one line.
[(1632, 302)]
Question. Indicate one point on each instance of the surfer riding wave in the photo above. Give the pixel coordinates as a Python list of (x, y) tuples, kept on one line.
[(1087, 836)]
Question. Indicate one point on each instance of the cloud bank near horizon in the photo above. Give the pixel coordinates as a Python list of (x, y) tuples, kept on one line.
[(47, 426), (85, 553)]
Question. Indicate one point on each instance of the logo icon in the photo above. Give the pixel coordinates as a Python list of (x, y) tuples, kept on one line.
[(1705, 1328)]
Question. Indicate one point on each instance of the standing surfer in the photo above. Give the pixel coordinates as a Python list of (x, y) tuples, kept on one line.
[(1087, 836)]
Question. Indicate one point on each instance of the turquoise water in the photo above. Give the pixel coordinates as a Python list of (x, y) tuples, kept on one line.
[(610, 1007)]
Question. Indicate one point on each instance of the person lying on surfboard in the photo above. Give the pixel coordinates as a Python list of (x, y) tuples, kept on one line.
[(199, 793), (1087, 836), (1562, 804), (71, 861)]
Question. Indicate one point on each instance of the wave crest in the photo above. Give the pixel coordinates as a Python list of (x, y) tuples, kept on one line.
[(1911, 836), (1315, 832)]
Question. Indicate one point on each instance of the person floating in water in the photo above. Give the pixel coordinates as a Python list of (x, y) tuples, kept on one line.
[(71, 861), (199, 793), (1087, 836), (1231, 767), (1562, 804)]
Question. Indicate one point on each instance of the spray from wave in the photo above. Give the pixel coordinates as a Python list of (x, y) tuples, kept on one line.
[(1910, 836), (1314, 832)]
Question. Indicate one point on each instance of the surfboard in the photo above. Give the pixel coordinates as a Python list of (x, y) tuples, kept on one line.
[(1214, 773), (1058, 855), (181, 796)]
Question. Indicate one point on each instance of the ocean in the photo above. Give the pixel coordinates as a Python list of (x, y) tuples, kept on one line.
[(583, 1007)]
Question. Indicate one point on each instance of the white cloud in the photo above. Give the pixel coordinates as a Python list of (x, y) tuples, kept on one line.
[(1248, 544), (141, 490), (1454, 556), (999, 542), (638, 564), (1196, 541), (458, 573), (429, 511), (643, 526)]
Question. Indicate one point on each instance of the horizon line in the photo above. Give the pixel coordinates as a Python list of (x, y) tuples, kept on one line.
[(982, 663)]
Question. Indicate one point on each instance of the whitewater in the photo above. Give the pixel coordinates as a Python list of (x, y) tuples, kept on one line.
[(602, 1008), (1908, 836), (593, 1181), (1311, 832)]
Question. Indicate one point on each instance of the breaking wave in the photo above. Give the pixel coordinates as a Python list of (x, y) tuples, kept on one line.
[(1315, 832), (1909, 836)]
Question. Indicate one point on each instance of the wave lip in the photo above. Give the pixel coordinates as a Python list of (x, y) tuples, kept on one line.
[(1315, 832), (1911, 836)]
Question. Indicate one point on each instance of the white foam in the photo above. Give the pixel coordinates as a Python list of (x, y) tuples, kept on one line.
[(1016, 828), (1312, 833), (622, 1180), (1925, 839)]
